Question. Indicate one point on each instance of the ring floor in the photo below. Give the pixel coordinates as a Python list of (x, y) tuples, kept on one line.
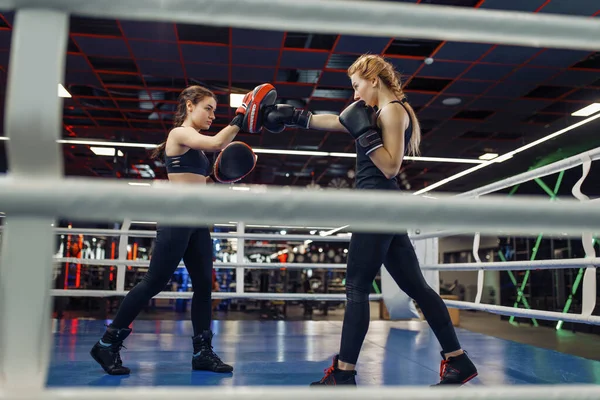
[(296, 353)]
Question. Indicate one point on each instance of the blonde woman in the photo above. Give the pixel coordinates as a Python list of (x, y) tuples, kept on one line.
[(382, 139)]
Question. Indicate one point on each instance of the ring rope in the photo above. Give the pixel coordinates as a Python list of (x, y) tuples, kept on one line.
[(494, 266), (480, 272), (370, 211), (369, 18), (589, 278), (557, 166), (492, 392)]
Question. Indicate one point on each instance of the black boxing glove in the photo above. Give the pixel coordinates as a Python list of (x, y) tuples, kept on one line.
[(276, 118), (360, 120)]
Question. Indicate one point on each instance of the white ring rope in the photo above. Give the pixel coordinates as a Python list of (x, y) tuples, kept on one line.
[(214, 235), (273, 236), (493, 392), (123, 242), (584, 159), (369, 211), (25, 340), (526, 313), (370, 18), (215, 295), (492, 266), (589, 278), (480, 272), (557, 166), (501, 310)]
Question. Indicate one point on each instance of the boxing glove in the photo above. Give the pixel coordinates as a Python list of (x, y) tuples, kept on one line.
[(360, 120), (235, 162), (249, 116), (280, 116)]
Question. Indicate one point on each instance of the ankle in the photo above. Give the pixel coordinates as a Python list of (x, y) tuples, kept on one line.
[(454, 353), (343, 366)]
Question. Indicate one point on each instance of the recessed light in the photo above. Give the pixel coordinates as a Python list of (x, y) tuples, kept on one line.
[(451, 101), (235, 100), (488, 156), (105, 151)]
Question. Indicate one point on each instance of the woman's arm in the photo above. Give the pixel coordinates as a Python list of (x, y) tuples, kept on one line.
[(326, 122), (280, 116), (189, 137), (393, 122)]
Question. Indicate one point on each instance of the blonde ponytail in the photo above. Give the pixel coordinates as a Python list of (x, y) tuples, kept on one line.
[(415, 138)]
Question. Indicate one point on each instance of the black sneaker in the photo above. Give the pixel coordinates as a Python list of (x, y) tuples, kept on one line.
[(204, 358), (335, 376), (106, 351), (456, 370)]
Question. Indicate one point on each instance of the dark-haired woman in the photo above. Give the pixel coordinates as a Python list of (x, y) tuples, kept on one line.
[(184, 157)]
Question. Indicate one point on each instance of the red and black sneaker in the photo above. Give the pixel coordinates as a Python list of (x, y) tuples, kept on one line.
[(456, 370), (335, 376)]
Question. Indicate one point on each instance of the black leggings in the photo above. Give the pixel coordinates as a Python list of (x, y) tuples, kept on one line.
[(194, 246), (367, 253)]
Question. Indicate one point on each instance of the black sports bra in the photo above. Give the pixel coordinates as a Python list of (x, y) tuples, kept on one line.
[(193, 161)]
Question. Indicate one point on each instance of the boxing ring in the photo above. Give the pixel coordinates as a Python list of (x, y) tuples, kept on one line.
[(35, 194)]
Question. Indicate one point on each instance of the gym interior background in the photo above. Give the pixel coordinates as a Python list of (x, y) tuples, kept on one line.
[(472, 99)]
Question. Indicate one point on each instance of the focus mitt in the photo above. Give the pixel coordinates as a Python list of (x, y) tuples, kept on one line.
[(235, 162), (263, 96)]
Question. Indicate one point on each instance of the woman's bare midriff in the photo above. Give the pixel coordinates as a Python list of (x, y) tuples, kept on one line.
[(186, 177)]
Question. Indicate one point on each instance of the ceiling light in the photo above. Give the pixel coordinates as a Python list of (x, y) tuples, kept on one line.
[(346, 155), (587, 111), (105, 151), (139, 184), (506, 156), (270, 151), (235, 100), (488, 156), (62, 92), (444, 159), (101, 143), (291, 152), (503, 158), (353, 155), (451, 101)]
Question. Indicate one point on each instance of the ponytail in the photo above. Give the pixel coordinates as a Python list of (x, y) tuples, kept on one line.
[(159, 152), (415, 138)]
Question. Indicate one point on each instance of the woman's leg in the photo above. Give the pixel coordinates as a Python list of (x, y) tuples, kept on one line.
[(365, 257), (403, 265), (169, 249), (198, 260)]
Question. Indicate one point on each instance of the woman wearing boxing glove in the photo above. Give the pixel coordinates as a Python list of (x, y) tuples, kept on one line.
[(186, 163), (382, 139)]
